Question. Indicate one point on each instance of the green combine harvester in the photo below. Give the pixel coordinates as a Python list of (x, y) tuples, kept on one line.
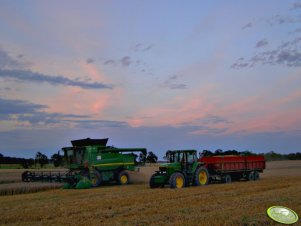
[(182, 169), (92, 163)]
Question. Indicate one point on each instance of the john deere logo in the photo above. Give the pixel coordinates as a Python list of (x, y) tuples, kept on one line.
[(282, 214)]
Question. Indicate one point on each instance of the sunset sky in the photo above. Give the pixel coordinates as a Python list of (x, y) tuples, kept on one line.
[(155, 74)]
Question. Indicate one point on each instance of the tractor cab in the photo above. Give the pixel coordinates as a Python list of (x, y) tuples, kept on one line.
[(184, 157), (182, 170)]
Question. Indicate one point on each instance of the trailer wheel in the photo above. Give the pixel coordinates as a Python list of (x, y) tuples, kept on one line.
[(96, 178), (123, 178), (177, 180), (152, 183), (256, 175), (201, 176), (227, 179), (251, 176)]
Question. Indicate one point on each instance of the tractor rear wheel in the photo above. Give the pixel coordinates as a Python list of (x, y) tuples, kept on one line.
[(177, 180), (201, 176), (123, 178), (227, 179), (96, 178)]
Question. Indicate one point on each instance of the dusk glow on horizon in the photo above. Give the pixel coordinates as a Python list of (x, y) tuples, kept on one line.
[(155, 74)]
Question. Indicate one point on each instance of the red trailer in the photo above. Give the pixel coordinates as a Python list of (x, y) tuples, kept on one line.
[(230, 167)]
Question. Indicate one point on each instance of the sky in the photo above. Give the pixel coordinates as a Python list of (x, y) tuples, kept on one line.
[(162, 75)]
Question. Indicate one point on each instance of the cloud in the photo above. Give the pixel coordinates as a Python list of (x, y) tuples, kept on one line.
[(248, 25), (10, 107), (94, 123), (261, 43), (296, 5), (34, 114), (7, 62), (142, 48), (286, 54), (172, 83), (20, 110), (214, 119), (279, 19), (30, 76), (109, 62), (89, 61), (126, 61)]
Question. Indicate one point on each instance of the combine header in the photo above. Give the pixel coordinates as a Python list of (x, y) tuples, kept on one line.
[(91, 163)]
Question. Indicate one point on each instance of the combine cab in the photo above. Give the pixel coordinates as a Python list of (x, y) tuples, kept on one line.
[(92, 163), (182, 170)]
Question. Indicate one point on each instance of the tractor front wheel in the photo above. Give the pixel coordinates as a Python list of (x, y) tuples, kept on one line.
[(201, 176), (177, 180), (152, 183), (123, 178)]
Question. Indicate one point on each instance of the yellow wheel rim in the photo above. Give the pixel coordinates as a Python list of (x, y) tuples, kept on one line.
[(94, 181), (123, 179), (203, 177), (179, 182)]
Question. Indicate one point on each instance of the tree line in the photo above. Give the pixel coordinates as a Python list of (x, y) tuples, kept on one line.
[(269, 156)]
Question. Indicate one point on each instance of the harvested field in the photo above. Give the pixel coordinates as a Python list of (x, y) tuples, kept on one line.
[(239, 203)]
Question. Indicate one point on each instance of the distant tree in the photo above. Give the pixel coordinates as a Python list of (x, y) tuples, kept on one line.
[(27, 163), (151, 157), (218, 152), (207, 153), (41, 159), (1, 156), (57, 159), (142, 157), (231, 152)]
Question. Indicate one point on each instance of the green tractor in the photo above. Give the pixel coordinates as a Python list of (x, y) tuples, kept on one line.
[(91, 163), (182, 170)]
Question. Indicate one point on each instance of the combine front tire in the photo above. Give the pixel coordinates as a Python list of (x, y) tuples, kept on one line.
[(177, 180), (123, 178), (96, 178), (201, 176)]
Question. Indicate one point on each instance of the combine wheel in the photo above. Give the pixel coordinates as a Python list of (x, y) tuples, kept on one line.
[(227, 179), (123, 178), (177, 180), (201, 176), (25, 177), (96, 178), (256, 175), (152, 183)]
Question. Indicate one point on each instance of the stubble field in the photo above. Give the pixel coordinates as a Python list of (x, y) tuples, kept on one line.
[(239, 203)]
